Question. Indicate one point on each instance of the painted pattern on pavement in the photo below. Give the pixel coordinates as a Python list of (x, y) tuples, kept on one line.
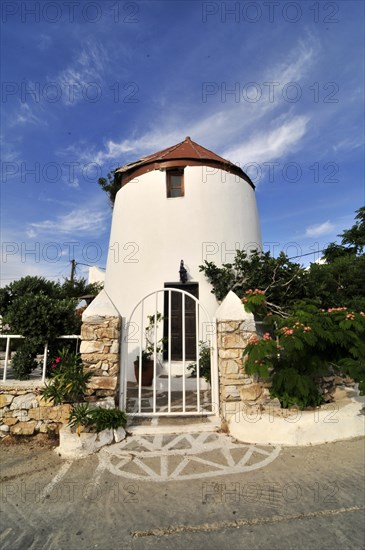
[(166, 457)]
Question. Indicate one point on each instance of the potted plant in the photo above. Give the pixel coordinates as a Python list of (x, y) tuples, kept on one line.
[(149, 350)]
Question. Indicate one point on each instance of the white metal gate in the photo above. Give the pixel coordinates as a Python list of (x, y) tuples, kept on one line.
[(174, 390)]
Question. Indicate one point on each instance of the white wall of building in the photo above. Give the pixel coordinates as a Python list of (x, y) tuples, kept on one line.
[(96, 275), (150, 233)]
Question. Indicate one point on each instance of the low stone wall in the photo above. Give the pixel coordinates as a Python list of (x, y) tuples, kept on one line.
[(100, 355), (23, 412)]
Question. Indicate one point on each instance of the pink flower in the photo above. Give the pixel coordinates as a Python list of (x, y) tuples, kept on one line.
[(58, 359)]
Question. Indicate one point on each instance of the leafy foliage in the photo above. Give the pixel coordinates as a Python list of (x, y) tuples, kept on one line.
[(97, 419), (80, 416), (340, 281), (282, 280), (24, 360), (308, 344), (204, 362), (104, 419), (355, 236), (68, 380), (41, 317), (78, 288), (111, 186), (40, 310), (315, 317), (149, 349)]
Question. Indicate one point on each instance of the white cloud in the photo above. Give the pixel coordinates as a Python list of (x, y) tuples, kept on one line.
[(86, 69), (8, 153), (25, 115), (319, 229), (81, 221), (349, 144), (31, 233), (297, 64), (267, 146), (223, 129)]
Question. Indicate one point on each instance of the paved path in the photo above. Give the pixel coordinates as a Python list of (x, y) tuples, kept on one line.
[(184, 491)]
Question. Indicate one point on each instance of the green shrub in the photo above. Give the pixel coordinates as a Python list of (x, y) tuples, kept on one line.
[(24, 362), (68, 380), (97, 419), (104, 419), (304, 346)]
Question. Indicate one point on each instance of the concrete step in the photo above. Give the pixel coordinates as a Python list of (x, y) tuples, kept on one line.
[(165, 425)]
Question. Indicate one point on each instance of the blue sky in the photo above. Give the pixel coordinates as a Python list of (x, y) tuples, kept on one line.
[(89, 86)]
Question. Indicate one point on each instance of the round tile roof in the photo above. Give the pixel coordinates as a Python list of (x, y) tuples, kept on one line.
[(185, 153)]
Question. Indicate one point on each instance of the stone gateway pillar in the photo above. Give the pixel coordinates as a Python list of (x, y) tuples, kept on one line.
[(235, 328), (100, 349)]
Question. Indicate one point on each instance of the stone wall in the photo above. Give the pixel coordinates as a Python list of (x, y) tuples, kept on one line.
[(100, 349), (100, 355), (235, 386), (23, 412)]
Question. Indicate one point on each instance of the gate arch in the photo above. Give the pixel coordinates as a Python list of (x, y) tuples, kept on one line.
[(173, 392)]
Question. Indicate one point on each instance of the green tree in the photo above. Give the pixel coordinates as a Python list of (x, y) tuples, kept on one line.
[(340, 281), (315, 317), (40, 310), (111, 185), (79, 288), (282, 281), (355, 236)]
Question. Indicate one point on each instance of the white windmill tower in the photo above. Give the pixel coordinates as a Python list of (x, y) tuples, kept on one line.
[(175, 209)]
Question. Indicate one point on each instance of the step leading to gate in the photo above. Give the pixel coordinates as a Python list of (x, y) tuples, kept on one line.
[(163, 424)]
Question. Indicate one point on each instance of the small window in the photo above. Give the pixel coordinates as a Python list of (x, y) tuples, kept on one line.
[(174, 183)]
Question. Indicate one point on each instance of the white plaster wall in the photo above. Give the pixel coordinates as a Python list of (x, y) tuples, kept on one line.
[(331, 422), (96, 275), (150, 234)]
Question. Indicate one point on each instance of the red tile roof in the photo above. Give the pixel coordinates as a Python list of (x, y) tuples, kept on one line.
[(185, 153)]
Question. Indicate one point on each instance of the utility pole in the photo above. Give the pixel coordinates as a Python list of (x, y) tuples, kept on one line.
[(73, 269)]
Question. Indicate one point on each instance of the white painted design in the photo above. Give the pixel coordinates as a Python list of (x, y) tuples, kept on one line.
[(57, 478), (181, 457)]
